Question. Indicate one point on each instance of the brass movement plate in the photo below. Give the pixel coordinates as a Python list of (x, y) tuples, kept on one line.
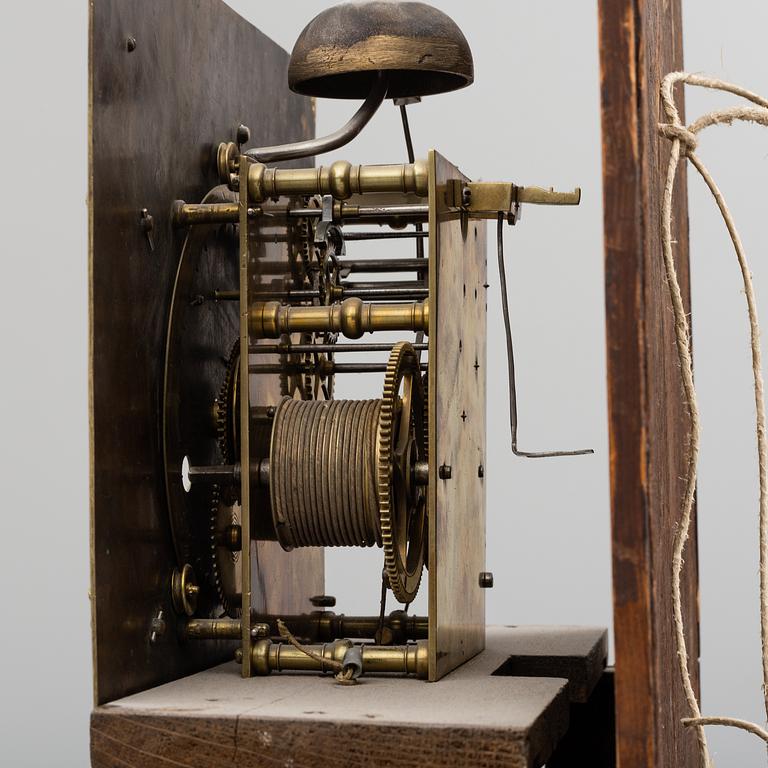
[(168, 81), (457, 365)]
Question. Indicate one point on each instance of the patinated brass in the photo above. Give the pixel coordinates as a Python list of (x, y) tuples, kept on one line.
[(319, 626), (184, 590), (341, 180), (262, 466), (486, 199), (184, 214), (353, 317), (268, 657)]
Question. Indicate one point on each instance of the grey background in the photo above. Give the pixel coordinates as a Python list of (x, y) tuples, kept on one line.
[(533, 117)]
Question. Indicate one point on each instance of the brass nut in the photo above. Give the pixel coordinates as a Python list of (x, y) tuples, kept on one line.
[(184, 590), (227, 156), (485, 580)]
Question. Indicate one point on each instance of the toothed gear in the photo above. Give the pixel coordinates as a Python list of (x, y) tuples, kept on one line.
[(401, 443), (223, 561), (227, 411)]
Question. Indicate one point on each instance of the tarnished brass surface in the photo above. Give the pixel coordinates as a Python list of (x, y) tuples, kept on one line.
[(184, 214), (419, 47), (268, 657), (486, 199), (184, 590), (542, 196), (340, 179), (245, 419), (457, 399), (401, 444), (323, 473), (318, 626), (353, 317)]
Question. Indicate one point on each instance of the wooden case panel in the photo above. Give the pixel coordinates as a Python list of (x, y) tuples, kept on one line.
[(168, 81)]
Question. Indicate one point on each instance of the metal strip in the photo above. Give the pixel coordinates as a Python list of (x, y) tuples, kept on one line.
[(245, 451)]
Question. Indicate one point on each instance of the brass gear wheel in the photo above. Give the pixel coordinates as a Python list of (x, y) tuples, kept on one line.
[(227, 409), (402, 442), (224, 510), (225, 572)]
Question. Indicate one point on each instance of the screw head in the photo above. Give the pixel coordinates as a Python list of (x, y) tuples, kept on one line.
[(147, 220), (130, 44), (481, 471), (444, 472), (485, 579), (243, 134), (260, 630), (323, 601), (157, 627)]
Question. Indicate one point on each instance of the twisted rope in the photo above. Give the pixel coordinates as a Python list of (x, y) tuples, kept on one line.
[(684, 144), (342, 676)]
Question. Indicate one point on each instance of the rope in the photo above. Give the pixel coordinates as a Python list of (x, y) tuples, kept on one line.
[(684, 144), (343, 676)]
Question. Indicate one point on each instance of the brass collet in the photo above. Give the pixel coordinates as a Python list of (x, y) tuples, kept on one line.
[(341, 180), (353, 317)]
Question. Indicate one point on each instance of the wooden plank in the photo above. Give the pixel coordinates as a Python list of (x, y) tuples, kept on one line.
[(167, 82), (640, 41), (575, 653), (457, 354), (470, 718)]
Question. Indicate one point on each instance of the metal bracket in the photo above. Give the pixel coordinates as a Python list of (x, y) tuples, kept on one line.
[(486, 199)]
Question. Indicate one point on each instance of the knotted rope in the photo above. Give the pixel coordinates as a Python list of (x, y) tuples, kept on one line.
[(684, 143), (343, 676)]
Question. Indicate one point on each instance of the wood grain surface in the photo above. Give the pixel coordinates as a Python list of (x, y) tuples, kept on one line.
[(472, 717), (640, 41), (193, 71)]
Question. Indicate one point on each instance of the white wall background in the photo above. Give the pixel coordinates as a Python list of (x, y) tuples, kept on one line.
[(548, 521)]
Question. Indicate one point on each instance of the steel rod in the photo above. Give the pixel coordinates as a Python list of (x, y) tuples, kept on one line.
[(365, 211), (184, 214), (286, 349), (329, 368), (385, 265), (334, 140), (367, 291), (351, 236), (351, 287)]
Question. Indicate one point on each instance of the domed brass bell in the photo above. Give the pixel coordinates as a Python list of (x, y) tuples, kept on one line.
[(421, 50)]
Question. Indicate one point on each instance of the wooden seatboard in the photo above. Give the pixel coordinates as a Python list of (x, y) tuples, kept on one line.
[(457, 393), (475, 716)]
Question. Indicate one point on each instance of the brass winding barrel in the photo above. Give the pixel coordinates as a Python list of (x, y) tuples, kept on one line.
[(323, 473)]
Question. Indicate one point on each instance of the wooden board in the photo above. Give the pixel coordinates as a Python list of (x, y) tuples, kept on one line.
[(471, 718), (168, 81), (457, 349), (639, 43)]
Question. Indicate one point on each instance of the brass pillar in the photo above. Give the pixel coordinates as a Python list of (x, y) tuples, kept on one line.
[(353, 318)]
